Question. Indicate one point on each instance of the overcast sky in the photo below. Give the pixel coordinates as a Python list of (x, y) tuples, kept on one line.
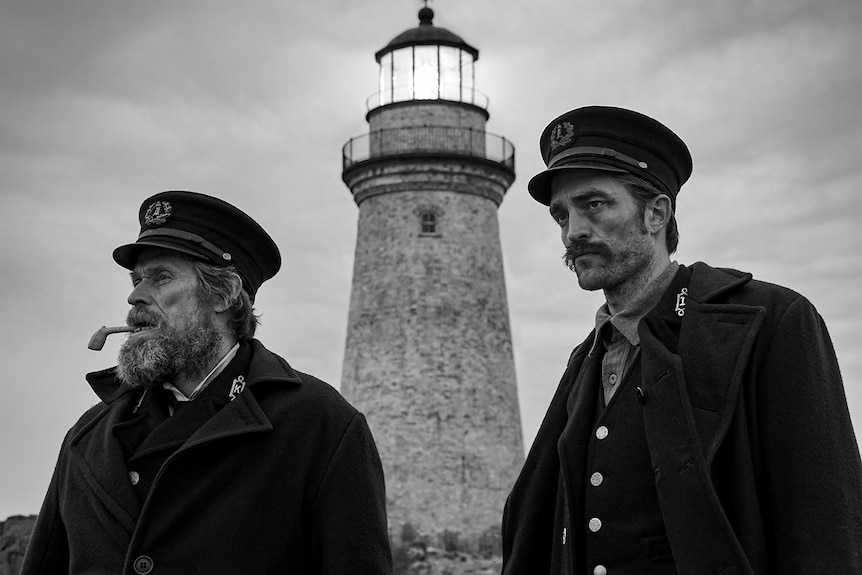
[(105, 102)]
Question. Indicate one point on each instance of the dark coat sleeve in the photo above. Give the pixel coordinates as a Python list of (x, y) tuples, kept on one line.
[(808, 450), (528, 516), (350, 507)]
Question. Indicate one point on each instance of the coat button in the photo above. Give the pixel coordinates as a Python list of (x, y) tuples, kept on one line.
[(595, 524), (596, 479), (641, 396), (601, 432), (134, 477), (143, 565), (600, 570)]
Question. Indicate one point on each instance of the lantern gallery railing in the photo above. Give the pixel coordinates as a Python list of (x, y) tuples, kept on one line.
[(428, 139), (429, 91)]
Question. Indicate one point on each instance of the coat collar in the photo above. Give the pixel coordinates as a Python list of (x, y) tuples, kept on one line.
[(708, 283), (265, 366), (99, 457)]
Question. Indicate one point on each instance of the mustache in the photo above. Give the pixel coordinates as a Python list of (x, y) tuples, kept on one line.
[(139, 317), (577, 249)]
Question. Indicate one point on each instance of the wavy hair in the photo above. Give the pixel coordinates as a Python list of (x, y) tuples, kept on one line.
[(220, 284)]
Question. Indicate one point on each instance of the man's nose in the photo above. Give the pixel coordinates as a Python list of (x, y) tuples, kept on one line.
[(140, 294), (576, 229)]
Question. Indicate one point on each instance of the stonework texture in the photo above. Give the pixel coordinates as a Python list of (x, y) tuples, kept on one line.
[(428, 356)]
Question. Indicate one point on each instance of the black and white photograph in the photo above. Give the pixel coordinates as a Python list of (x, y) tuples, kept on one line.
[(425, 286)]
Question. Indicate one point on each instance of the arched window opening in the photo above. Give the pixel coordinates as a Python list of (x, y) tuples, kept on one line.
[(428, 217)]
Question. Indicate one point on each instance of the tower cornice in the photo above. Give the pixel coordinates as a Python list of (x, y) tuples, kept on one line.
[(429, 172)]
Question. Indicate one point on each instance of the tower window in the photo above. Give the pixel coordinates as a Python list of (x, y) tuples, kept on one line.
[(429, 219), (429, 223)]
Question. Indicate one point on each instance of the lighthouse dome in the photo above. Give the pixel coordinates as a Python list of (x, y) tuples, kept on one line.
[(427, 34)]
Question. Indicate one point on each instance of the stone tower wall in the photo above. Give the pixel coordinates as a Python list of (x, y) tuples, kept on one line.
[(429, 359), (430, 113)]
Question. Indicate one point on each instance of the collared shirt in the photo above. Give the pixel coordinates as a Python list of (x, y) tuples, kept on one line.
[(180, 396), (619, 332)]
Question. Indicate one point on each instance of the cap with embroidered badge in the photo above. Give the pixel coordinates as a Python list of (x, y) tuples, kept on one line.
[(615, 140), (207, 229)]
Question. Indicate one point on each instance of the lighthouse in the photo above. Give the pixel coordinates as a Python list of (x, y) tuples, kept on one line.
[(428, 355)]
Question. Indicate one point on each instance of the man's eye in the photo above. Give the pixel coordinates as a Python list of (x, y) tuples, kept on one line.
[(594, 204), (163, 277), (560, 217)]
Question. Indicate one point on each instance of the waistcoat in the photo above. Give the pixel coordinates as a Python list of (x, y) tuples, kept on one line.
[(607, 506)]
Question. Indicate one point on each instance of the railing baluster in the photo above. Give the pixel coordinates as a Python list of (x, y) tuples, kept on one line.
[(441, 139)]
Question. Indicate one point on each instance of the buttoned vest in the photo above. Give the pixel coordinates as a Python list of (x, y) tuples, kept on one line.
[(608, 513), (625, 531)]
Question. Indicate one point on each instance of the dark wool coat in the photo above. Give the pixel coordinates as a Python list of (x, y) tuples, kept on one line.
[(756, 463), (284, 479)]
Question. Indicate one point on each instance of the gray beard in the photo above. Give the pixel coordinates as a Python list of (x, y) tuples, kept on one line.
[(187, 350)]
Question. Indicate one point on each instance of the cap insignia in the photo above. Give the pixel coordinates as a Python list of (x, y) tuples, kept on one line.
[(561, 135), (158, 213)]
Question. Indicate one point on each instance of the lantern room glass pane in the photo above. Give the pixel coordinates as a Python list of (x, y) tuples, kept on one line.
[(402, 74), (450, 73), (467, 77), (386, 79), (426, 73)]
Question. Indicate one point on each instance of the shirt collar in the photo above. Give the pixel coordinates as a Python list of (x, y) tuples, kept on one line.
[(180, 396), (627, 319)]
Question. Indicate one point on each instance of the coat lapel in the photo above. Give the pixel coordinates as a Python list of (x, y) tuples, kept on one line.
[(709, 354), (99, 458), (715, 344), (97, 454), (242, 416), (715, 347), (575, 440), (690, 398), (227, 407)]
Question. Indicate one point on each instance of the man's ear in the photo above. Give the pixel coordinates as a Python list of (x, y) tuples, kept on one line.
[(221, 305), (657, 213)]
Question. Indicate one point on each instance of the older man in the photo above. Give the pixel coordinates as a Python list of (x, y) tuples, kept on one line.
[(208, 453), (702, 426)]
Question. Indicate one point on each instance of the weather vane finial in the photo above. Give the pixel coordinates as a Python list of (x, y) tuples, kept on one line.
[(426, 14)]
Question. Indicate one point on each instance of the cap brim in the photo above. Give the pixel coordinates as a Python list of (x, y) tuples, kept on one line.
[(539, 185), (127, 255)]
